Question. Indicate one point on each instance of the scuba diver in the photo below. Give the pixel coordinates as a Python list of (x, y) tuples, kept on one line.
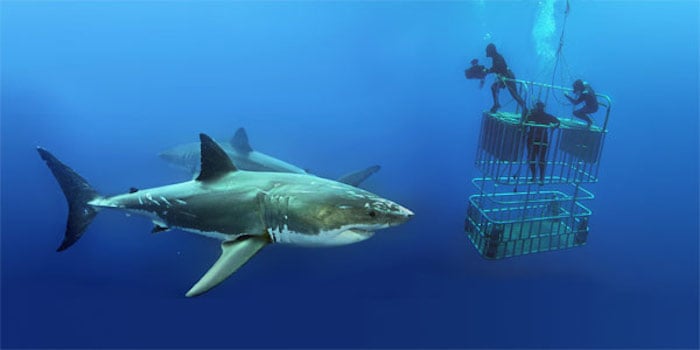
[(538, 139), (585, 94), (502, 71), (476, 71)]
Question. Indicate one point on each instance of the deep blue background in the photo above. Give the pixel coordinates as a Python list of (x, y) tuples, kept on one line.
[(334, 87)]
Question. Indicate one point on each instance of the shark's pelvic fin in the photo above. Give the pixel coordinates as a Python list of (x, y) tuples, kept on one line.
[(159, 228), (78, 193), (215, 161), (356, 178), (234, 253), (239, 141)]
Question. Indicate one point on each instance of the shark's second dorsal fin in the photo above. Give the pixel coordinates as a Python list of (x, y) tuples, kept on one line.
[(215, 162), (239, 141)]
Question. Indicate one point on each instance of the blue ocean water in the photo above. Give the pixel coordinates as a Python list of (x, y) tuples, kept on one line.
[(334, 87)]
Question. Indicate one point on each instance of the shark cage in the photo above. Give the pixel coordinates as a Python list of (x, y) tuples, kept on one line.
[(513, 213)]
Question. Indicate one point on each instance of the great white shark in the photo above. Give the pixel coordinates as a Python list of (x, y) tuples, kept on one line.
[(244, 157), (245, 210)]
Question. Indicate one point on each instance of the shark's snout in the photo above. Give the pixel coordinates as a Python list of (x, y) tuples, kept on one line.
[(400, 215), (169, 156)]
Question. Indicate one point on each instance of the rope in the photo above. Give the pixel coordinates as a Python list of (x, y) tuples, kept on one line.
[(559, 49)]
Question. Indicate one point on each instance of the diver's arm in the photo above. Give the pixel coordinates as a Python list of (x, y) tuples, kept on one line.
[(552, 120), (574, 101)]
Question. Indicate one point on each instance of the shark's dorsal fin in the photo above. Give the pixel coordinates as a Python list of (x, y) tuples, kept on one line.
[(215, 162), (234, 254), (356, 178), (239, 141)]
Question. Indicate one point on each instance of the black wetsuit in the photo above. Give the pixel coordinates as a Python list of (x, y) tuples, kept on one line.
[(590, 104), (538, 141), (500, 67)]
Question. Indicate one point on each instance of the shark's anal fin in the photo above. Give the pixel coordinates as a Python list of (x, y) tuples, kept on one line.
[(234, 254), (215, 162), (240, 143)]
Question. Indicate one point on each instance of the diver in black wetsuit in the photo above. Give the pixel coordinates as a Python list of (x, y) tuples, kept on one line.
[(502, 71), (538, 139), (585, 94)]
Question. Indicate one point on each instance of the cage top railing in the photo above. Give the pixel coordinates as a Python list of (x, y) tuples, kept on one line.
[(506, 197), (578, 210), (527, 89)]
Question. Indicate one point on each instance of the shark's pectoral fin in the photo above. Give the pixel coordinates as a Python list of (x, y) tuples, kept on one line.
[(234, 253)]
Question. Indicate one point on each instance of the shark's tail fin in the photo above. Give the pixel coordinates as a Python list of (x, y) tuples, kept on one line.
[(78, 193)]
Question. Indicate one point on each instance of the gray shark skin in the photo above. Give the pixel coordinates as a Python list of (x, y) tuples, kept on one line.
[(245, 210), (245, 158)]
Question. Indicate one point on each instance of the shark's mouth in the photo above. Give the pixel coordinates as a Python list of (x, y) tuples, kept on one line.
[(361, 231)]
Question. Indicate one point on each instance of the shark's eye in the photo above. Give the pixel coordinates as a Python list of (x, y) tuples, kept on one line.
[(372, 213)]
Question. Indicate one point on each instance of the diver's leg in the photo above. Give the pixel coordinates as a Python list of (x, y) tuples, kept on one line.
[(542, 155), (532, 159), (581, 114), (588, 110), (514, 92), (494, 92)]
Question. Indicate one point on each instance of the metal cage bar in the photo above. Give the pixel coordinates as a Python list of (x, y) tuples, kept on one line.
[(512, 215)]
